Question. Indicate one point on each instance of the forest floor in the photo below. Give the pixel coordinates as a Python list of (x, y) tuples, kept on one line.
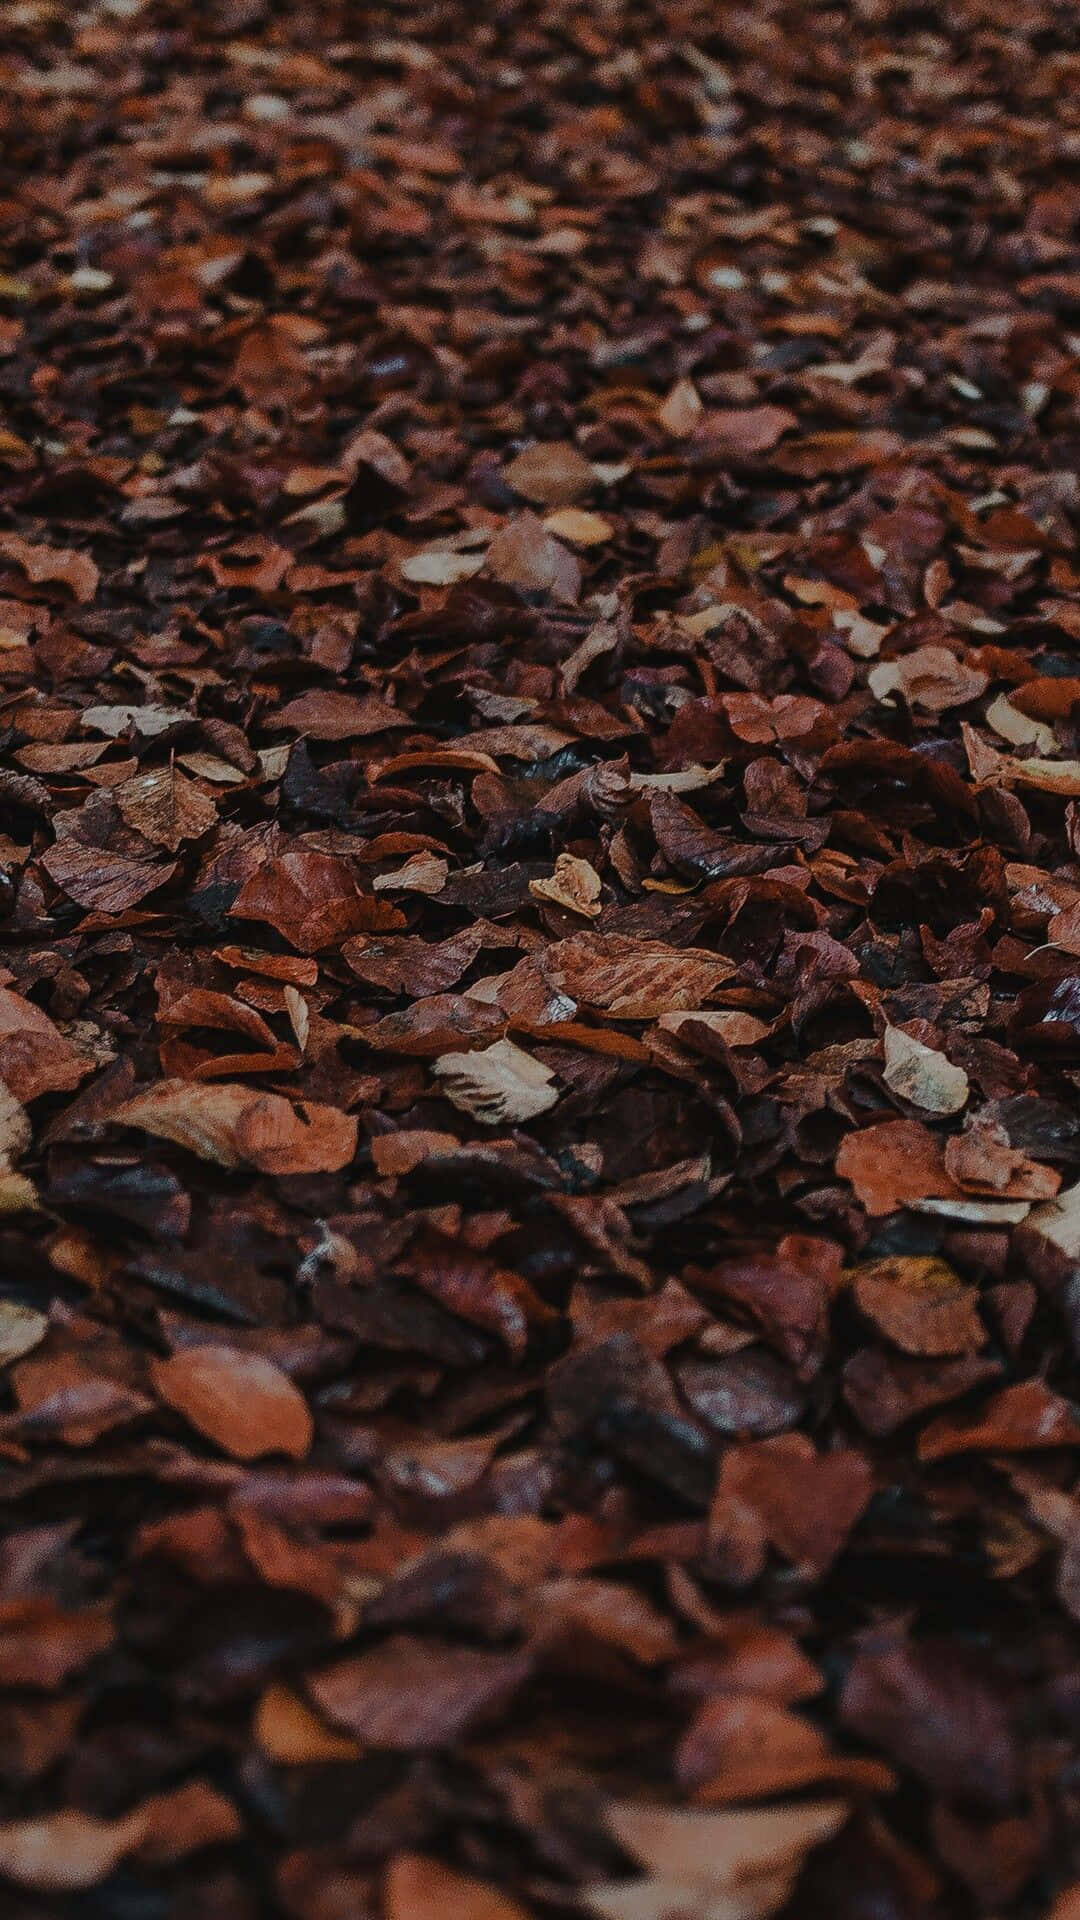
[(539, 961)]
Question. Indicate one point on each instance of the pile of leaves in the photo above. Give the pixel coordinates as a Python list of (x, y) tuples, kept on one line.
[(540, 945)]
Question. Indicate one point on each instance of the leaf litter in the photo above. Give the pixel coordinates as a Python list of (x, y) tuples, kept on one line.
[(539, 916)]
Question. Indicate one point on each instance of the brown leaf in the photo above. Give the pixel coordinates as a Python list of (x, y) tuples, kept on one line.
[(43, 564), (498, 1085), (741, 1747), (62, 1397), (550, 473), (741, 431), (100, 880), (931, 678), (290, 1735), (523, 554), (1021, 1418), (409, 1694), (574, 884), (166, 808), (43, 1644), (935, 1711), (309, 898), (35, 1058), (627, 978), (236, 1127), (893, 1164), (183, 1821), (416, 1888), (921, 1305), (805, 1504), (325, 714), (241, 1401)]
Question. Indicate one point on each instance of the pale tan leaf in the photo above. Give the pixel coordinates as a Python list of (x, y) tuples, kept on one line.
[(922, 1075), (15, 1130), (722, 1849), (931, 678), (439, 567), (21, 1330), (1058, 1221), (421, 873), (574, 885), (1017, 728), (579, 527), (735, 1028), (682, 411)]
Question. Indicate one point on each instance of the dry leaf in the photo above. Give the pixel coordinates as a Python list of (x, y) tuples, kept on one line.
[(734, 1028), (574, 885), (166, 808), (682, 411), (239, 1400), (235, 1126), (551, 473), (1017, 728), (497, 1085), (523, 554), (416, 1888), (21, 1330), (43, 564), (713, 1866), (922, 1075), (920, 1304), (931, 678), (66, 1852), (410, 1694), (291, 1735), (35, 1058), (581, 529)]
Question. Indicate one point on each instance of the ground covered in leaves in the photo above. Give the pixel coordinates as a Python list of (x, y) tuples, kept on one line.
[(540, 943)]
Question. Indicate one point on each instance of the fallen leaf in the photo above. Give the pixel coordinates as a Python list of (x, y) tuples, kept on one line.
[(574, 885), (497, 1085), (1026, 1416), (21, 1330), (931, 678), (416, 1888), (550, 473), (919, 1304), (894, 1164), (235, 1126), (579, 528), (35, 1058), (241, 1401), (922, 1075), (412, 1695), (66, 1852), (289, 1734), (44, 564)]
